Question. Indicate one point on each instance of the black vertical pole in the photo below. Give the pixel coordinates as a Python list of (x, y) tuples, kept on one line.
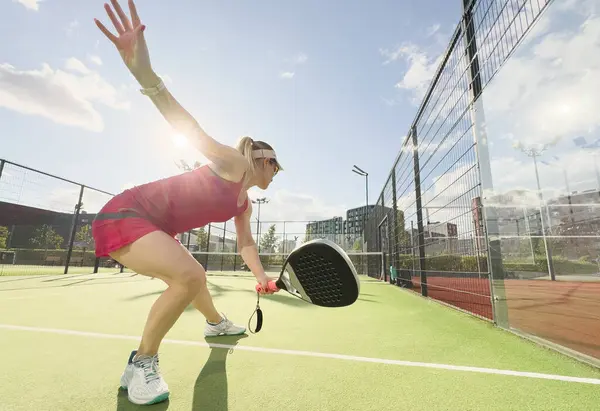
[(366, 209), (74, 229), (235, 255), (207, 248), (2, 162), (420, 237), (491, 230), (96, 265), (223, 245), (395, 244)]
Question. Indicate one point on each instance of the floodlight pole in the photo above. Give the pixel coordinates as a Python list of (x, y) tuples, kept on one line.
[(535, 153), (259, 201), (364, 174)]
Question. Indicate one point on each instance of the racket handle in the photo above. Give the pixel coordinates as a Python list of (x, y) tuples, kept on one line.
[(272, 287)]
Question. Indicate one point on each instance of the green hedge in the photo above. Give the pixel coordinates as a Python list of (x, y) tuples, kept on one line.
[(456, 263), (30, 256)]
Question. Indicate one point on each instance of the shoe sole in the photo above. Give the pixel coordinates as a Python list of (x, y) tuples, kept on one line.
[(160, 398), (224, 335)]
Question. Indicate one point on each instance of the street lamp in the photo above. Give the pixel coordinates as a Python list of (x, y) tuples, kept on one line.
[(534, 153), (259, 201), (364, 174)]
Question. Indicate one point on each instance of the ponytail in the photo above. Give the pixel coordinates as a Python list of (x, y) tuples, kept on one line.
[(245, 146)]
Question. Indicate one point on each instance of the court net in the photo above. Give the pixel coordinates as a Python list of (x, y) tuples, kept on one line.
[(231, 264)]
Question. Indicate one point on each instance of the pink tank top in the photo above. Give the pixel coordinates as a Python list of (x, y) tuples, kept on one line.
[(185, 201)]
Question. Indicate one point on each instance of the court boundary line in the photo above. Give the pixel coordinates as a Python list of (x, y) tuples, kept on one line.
[(447, 367)]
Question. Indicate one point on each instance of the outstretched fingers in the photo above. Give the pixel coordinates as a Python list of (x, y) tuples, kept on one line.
[(135, 18), (113, 18), (106, 32), (122, 15)]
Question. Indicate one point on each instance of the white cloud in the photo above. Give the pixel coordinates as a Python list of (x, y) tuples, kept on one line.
[(296, 60), (95, 59), (77, 65), (550, 87), (71, 27), (299, 58), (421, 67), (65, 97), (434, 28), (29, 4)]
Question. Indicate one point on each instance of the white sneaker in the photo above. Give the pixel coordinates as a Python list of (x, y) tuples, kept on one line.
[(143, 381), (225, 327)]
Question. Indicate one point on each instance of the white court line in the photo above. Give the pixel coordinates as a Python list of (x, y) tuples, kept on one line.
[(315, 354)]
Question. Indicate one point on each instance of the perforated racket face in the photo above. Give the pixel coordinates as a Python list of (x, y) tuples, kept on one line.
[(320, 272)]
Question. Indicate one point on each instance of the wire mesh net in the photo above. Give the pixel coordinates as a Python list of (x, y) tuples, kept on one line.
[(232, 264)]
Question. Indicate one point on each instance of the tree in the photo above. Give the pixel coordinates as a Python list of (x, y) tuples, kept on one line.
[(357, 245), (307, 235), (84, 237), (3, 236), (268, 240), (202, 239), (45, 237)]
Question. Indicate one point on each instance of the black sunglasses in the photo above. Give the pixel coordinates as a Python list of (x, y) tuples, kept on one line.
[(272, 161)]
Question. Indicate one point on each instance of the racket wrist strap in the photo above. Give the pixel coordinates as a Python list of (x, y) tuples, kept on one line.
[(259, 316)]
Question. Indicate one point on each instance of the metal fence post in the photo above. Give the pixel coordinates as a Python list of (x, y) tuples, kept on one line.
[(223, 244), (74, 229), (420, 236), (491, 231), (396, 258), (207, 248)]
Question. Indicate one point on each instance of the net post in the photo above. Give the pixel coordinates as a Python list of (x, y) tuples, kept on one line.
[(2, 162), (491, 230), (236, 253), (395, 222), (96, 265), (223, 243), (420, 236), (207, 248), (74, 228)]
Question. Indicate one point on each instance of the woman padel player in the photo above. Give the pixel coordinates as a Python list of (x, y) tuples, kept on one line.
[(137, 227)]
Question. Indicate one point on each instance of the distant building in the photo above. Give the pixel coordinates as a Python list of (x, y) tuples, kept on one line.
[(331, 229), (355, 219)]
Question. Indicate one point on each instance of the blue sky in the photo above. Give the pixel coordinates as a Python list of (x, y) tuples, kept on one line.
[(226, 62), (329, 83)]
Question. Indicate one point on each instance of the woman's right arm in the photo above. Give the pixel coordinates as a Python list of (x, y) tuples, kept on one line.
[(184, 123), (131, 44)]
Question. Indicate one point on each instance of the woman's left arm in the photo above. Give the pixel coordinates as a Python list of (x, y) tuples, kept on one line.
[(247, 247)]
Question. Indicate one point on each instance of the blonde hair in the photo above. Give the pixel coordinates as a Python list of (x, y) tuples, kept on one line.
[(245, 146)]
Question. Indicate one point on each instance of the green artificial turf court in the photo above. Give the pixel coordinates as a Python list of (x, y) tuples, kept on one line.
[(65, 339)]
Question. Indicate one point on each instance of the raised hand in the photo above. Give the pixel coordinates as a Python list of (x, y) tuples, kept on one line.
[(130, 42)]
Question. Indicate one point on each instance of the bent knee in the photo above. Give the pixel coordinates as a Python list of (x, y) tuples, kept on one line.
[(193, 279)]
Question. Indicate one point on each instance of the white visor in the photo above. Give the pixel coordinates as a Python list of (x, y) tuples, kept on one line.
[(262, 153)]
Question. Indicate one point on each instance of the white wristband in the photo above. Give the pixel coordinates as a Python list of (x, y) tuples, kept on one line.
[(153, 91)]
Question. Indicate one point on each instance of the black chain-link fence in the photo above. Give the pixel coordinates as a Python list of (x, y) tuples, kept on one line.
[(461, 214)]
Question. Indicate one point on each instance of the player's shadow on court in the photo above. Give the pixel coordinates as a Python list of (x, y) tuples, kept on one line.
[(210, 389)]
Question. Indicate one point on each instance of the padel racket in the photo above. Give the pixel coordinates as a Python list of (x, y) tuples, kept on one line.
[(318, 272)]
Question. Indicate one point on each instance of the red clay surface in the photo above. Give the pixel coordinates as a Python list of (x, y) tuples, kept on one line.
[(563, 312)]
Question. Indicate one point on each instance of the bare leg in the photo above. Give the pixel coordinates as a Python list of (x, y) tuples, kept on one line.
[(203, 302), (164, 258)]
